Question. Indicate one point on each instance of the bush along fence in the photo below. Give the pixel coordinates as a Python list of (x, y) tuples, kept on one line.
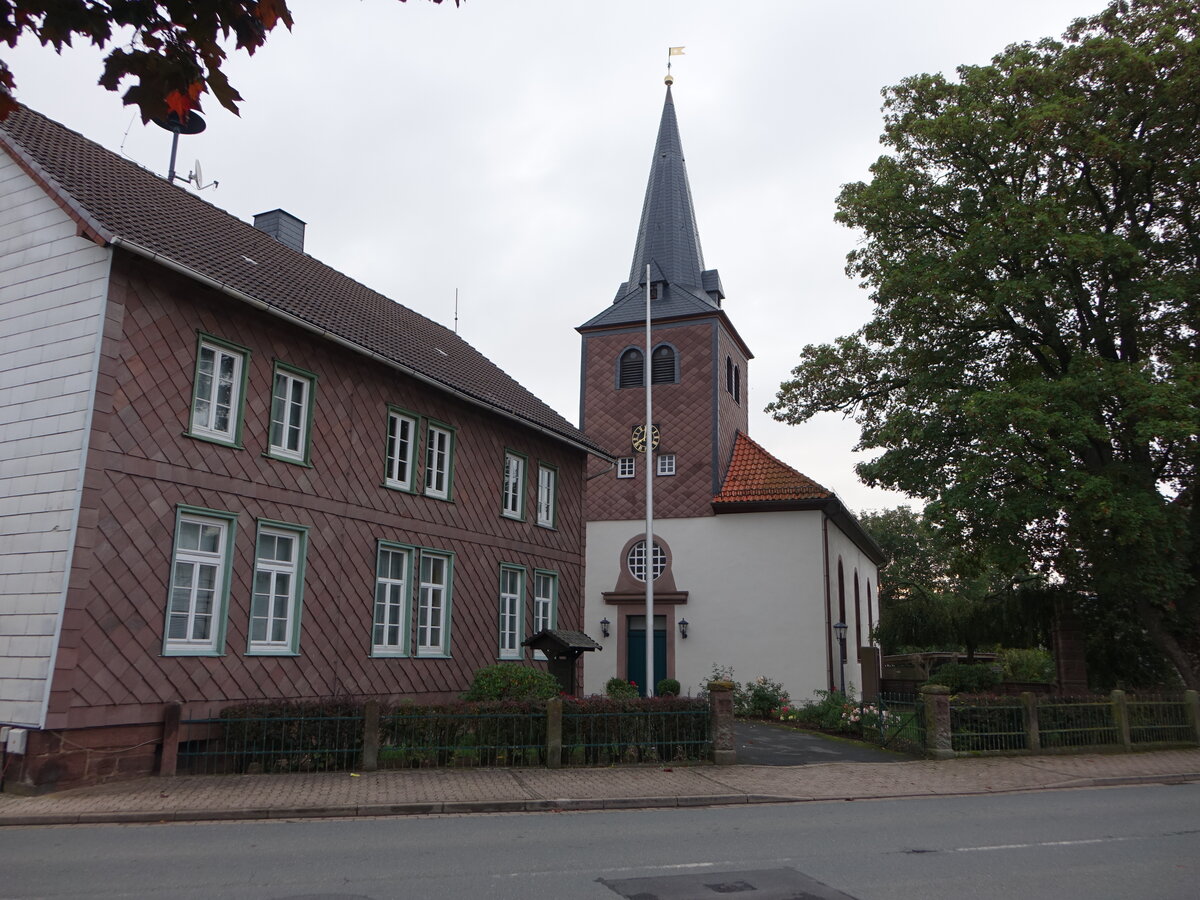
[(962, 725), (366, 736)]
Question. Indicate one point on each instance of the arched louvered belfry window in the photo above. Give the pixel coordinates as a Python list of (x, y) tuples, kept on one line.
[(737, 384), (663, 369), (630, 370), (729, 374)]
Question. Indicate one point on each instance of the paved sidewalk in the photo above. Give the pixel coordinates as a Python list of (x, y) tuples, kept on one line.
[(448, 791)]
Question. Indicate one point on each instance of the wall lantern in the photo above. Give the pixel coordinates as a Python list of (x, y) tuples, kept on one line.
[(840, 630), (683, 627), (604, 623)]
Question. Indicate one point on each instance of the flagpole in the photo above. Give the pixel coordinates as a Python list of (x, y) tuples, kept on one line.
[(649, 445)]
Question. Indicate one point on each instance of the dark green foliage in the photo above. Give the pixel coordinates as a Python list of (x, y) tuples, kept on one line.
[(285, 736), (1036, 665), (966, 678), (512, 681), (760, 698), (1031, 369), (667, 687), (604, 730), (497, 733), (620, 689)]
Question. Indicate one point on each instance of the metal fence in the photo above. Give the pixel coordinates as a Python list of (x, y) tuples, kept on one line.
[(644, 736), (1077, 722), (426, 739), (898, 724), (1155, 718), (258, 744)]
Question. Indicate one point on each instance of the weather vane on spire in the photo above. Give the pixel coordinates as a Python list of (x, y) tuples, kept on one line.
[(671, 51)]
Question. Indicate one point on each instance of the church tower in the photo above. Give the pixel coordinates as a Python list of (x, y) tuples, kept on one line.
[(746, 551), (698, 360)]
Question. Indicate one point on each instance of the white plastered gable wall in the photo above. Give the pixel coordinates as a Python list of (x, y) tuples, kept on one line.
[(756, 597), (53, 287)]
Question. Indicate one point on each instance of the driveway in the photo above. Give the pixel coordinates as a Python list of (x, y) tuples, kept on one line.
[(761, 744)]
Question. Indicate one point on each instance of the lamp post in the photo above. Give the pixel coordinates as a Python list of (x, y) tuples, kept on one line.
[(840, 630)]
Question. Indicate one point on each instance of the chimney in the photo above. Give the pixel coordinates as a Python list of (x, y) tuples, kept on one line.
[(282, 226)]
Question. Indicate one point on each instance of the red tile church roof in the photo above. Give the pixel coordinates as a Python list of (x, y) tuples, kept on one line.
[(756, 476)]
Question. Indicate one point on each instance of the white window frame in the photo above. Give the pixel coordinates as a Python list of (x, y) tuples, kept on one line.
[(206, 403), (545, 604), (512, 502), (547, 496), (636, 560), (274, 571), (626, 467), (439, 461), (434, 598), (393, 601), (187, 560), (288, 437), (400, 453), (512, 611), (665, 464)]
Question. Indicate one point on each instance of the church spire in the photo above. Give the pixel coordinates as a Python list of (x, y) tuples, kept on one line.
[(668, 239)]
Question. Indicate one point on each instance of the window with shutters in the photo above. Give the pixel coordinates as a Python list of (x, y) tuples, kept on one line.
[(630, 371)]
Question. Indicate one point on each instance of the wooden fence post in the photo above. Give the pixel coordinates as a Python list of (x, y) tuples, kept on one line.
[(370, 749), (1033, 734), (1120, 711), (554, 714), (170, 740), (938, 742), (720, 706), (1191, 702)]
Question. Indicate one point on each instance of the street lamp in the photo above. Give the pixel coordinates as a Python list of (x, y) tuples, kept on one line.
[(840, 630), (604, 623)]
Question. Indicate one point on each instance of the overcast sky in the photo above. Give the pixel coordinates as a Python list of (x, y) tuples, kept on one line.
[(502, 149)]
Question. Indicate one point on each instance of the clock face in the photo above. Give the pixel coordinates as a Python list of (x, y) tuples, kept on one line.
[(639, 438)]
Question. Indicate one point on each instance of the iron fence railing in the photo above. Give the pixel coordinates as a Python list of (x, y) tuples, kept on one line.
[(1077, 722), (642, 736), (259, 744), (1159, 718), (900, 723), (983, 725), (421, 739)]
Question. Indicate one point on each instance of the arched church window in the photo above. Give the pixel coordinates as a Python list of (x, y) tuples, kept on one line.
[(662, 365), (636, 560), (737, 384), (729, 374), (857, 613), (630, 370)]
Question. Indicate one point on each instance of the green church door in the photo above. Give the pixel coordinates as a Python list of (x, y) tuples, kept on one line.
[(635, 651)]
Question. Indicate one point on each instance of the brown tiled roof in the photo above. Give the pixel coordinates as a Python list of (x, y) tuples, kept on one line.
[(122, 202), (755, 476)]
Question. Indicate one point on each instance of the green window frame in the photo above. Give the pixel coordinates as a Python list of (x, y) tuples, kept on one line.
[(218, 391), (391, 626), (511, 611), (547, 495), (545, 603), (293, 391), (439, 460), (198, 587), (434, 602), (277, 590), (400, 453), (512, 492)]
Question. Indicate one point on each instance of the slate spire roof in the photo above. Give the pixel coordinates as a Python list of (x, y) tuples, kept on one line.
[(667, 240), (117, 202)]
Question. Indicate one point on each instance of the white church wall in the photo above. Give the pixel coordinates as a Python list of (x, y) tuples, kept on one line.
[(53, 286), (854, 562), (755, 584)]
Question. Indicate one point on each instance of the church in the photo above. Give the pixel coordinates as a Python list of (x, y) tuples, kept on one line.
[(755, 567)]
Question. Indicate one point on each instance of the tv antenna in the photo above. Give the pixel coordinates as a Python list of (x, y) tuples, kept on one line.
[(191, 123)]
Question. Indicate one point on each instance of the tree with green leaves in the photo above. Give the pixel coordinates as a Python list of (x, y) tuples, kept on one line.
[(172, 49), (1031, 368), (935, 596)]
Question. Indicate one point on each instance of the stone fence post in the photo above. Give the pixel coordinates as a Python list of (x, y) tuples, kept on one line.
[(720, 705), (170, 740), (370, 751), (1120, 712), (554, 720), (936, 699), (1033, 733)]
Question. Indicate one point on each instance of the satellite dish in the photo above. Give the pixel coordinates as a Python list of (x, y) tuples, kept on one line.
[(197, 175)]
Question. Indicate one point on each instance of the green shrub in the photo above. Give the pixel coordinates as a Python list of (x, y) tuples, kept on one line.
[(620, 689), (965, 678), (668, 687), (827, 711), (1028, 665), (761, 698), (512, 681)]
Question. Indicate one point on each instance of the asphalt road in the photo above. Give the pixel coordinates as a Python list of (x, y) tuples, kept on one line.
[(1133, 842), (776, 745)]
